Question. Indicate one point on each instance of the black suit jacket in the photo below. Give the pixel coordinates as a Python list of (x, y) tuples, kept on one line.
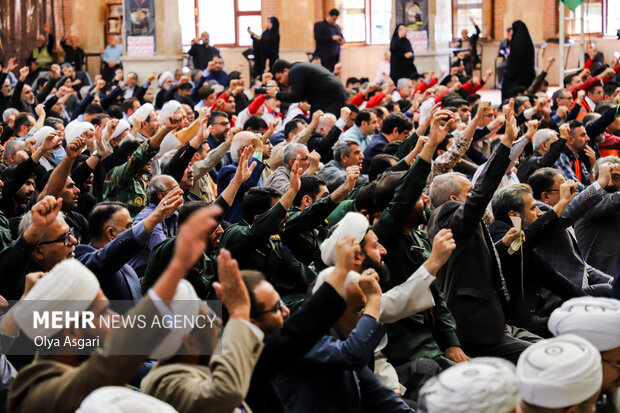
[(289, 344), (470, 279), (526, 294), (323, 144), (536, 161)]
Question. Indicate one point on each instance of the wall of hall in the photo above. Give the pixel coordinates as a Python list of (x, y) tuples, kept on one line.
[(86, 19)]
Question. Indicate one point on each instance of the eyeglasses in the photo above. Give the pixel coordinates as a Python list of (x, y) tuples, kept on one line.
[(611, 363), (552, 190), (64, 238), (279, 307)]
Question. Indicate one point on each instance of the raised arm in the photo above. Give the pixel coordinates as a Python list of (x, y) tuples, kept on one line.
[(58, 177)]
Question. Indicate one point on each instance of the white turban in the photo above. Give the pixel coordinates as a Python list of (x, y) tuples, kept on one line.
[(41, 134), (185, 303), (485, 384), (354, 224), (168, 110), (559, 372), (596, 319), (165, 76), (69, 286), (352, 277), (121, 127), (116, 399), (71, 133), (143, 113)]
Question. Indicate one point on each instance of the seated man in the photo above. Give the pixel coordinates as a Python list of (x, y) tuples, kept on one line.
[(472, 280), (309, 164), (128, 182), (561, 374), (256, 241), (547, 149), (115, 240), (203, 272), (597, 230), (347, 152), (160, 187), (306, 227), (337, 366), (559, 247), (195, 379), (525, 271), (395, 127), (58, 382), (414, 311), (365, 125), (590, 319), (44, 240), (240, 141)]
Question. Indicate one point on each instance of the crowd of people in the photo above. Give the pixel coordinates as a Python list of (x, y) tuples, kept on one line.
[(383, 246)]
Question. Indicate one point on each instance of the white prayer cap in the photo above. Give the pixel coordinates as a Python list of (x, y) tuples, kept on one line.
[(116, 399), (69, 286), (185, 303), (485, 384), (354, 224), (41, 134), (167, 110), (165, 76), (121, 127), (143, 113), (559, 372), (596, 319), (77, 130)]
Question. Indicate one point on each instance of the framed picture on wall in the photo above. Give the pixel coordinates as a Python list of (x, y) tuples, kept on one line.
[(116, 10), (114, 26)]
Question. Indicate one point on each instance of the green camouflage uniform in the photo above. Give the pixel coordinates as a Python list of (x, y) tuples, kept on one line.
[(127, 184)]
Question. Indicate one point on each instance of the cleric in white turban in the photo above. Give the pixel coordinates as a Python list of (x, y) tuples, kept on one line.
[(597, 320), (562, 373), (116, 399), (485, 384)]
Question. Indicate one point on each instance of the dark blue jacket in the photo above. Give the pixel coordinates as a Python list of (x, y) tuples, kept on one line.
[(117, 279), (224, 177), (374, 148), (334, 376)]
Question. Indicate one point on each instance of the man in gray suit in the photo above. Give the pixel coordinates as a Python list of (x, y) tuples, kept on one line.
[(598, 232), (559, 247)]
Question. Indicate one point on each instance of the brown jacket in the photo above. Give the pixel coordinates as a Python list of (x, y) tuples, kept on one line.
[(55, 387), (219, 388)]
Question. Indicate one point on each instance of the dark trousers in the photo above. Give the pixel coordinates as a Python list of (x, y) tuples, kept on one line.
[(328, 62), (108, 72), (510, 346), (415, 373), (333, 108), (598, 290)]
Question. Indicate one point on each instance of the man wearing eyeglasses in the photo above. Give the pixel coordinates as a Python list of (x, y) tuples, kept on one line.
[(220, 125), (44, 240)]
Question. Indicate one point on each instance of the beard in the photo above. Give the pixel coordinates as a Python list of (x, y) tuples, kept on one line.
[(380, 267)]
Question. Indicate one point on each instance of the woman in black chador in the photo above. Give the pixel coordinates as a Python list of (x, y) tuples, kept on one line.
[(266, 46), (401, 62), (520, 67)]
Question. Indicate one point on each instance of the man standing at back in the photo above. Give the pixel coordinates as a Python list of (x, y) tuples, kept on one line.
[(328, 37), (201, 52)]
